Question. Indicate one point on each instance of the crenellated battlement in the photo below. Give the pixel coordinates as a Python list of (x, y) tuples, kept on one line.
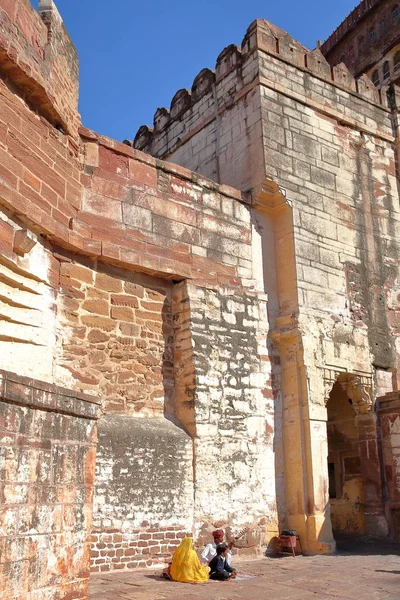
[(237, 67), (39, 60)]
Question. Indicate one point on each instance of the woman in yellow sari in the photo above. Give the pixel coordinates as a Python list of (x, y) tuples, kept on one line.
[(185, 566)]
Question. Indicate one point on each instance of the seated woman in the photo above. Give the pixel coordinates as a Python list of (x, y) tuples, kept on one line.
[(219, 567), (185, 566)]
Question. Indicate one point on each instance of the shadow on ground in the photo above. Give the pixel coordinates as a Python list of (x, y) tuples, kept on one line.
[(366, 546)]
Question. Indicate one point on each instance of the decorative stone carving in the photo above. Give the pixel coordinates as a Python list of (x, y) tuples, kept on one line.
[(358, 387), (359, 390), (269, 196), (24, 241)]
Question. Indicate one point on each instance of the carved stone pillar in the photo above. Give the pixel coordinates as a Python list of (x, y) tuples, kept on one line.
[(305, 444)]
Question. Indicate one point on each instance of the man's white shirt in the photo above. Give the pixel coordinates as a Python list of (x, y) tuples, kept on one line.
[(210, 551)]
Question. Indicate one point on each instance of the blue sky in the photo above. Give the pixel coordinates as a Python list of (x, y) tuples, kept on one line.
[(134, 55)]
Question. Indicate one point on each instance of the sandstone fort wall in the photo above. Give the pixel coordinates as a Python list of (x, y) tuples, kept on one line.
[(323, 175), (98, 242)]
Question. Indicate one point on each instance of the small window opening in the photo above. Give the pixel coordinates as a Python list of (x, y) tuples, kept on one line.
[(386, 70), (332, 480), (375, 78), (372, 34), (396, 61), (395, 12)]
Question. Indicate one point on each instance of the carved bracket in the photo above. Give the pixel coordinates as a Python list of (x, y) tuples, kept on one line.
[(269, 197), (358, 388)]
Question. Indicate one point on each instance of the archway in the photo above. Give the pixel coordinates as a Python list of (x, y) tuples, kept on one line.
[(346, 486), (354, 466)]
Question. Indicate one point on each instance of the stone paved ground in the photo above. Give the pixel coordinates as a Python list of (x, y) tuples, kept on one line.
[(352, 575)]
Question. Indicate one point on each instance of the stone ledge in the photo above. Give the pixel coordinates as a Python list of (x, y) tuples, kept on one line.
[(389, 403), (183, 173), (26, 391)]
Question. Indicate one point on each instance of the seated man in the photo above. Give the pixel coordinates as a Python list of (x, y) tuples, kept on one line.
[(211, 549), (219, 568)]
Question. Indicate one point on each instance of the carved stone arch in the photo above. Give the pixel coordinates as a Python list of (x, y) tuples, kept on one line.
[(357, 386)]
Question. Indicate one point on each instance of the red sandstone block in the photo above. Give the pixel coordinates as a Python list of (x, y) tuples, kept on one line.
[(101, 203), (122, 313), (110, 251), (144, 158), (224, 228), (66, 208), (124, 300), (48, 194), (74, 195), (9, 178), (60, 217), (99, 307), (10, 116), (129, 329), (76, 272), (110, 161), (6, 235), (108, 283), (92, 247), (171, 255), (10, 163), (101, 222), (179, 171), (36, 165), (88, 133), (143, 173), (117, 147), (149, 316), (176, 267), (152, 306), (155, 296), (102, 323), (168, 207), (3, 133), (109, 189), (80, 227)]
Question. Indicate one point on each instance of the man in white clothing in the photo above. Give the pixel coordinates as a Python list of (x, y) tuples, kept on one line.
[(211, 549)]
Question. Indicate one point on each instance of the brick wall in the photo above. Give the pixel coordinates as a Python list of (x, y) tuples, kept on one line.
[(47, 452), (138, 548), (116, 336), (39, 57), (143, 504)]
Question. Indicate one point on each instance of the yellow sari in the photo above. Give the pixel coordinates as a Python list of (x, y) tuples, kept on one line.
[(185, 566)]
